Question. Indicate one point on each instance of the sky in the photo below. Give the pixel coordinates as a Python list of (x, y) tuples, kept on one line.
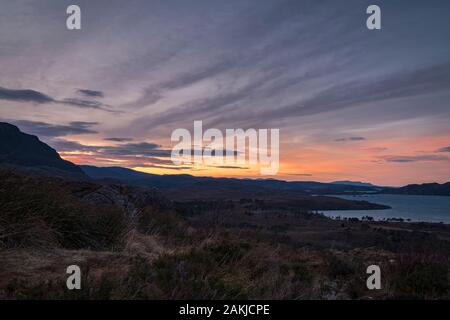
[(350, 103)]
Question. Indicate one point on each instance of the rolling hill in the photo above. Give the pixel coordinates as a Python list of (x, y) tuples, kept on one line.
[(428, 189)]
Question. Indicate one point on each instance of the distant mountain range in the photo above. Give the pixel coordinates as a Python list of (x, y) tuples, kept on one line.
[(24, 153), (227, 187), (429, 189), (354, 183), (27, 153)]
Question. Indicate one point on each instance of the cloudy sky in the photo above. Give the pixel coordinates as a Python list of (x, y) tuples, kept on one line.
[(350, 103)]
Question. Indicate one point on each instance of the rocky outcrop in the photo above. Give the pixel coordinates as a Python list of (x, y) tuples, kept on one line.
[(130, 199)]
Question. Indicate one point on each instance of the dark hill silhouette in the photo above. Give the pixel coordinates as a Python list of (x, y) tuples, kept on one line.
[(428, 189), (223, 185), (27, 152), (24, 152), (354, 183)]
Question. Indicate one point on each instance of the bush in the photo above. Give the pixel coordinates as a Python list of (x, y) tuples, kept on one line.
[(418, 276), (202, 273), (40, 212), (338, 267)]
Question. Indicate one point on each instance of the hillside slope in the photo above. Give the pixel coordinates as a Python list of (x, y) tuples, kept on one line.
[(18, 149), (231, 186), (428, 189)]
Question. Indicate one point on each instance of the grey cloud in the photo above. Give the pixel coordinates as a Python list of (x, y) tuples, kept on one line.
[(71, 146), (239, 65), (350, 139), (418, 158), (218, 151), (264, 20), (127, 150), (403, 84), (137, 159), (272, 80), (262, 62), (400, 84), (229, 167), (55, 130), (92, 104), (91, 93), (177, 168), (149, 97), (143, 151), (26, 95), (446, 149), (260, 57), (118, 139), (201, 108), (131, 155), (83, 124), (140, 149), (198, 75)]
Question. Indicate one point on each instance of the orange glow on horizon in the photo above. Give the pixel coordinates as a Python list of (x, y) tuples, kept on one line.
[(371, 160)]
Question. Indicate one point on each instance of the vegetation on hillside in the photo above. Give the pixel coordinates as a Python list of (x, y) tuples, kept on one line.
[(243, 249)]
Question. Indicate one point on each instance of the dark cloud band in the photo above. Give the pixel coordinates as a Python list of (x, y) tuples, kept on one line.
[(27, 95), (43, 129), (33, 96), (91, 93)]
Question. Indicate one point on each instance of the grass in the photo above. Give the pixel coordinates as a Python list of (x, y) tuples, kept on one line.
[(35, 213), (203, 250)]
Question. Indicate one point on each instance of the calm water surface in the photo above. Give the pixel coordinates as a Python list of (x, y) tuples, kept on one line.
[(416, 208)]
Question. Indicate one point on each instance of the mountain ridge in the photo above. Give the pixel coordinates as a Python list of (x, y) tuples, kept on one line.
[(429, 189), (354, 183), (185, 180), (27, 152)]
